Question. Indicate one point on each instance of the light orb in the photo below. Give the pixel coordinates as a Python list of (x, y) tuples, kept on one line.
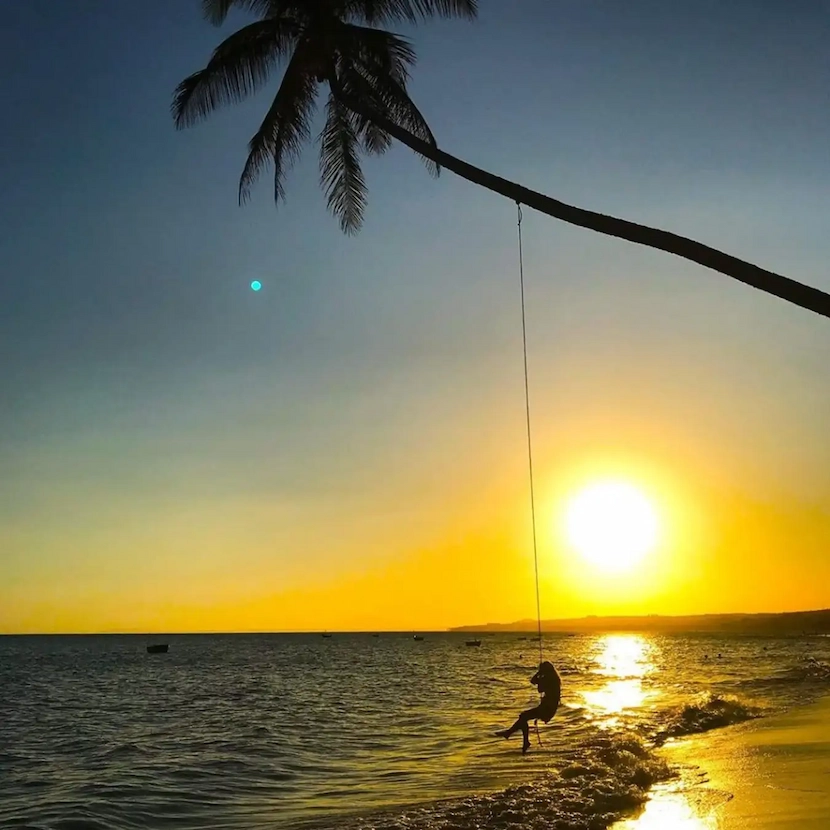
[(612, 525)]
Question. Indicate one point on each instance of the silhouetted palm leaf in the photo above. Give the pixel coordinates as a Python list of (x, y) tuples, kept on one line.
[(375, 97), (386, 53), (390, 11), (217, 10), (286, 127), (239, 66), (340, 172), (374, 67), (359, 63)]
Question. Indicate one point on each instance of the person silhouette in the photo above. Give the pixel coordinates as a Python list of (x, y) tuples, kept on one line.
[(549, 684)]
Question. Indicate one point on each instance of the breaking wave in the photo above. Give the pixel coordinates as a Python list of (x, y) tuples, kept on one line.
[(807, 670), (604, 780), (704, 713)]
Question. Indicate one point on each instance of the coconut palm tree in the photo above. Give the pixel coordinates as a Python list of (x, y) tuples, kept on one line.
[(338, 46)]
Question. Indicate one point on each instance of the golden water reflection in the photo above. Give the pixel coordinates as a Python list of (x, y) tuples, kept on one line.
[(624, 662), (624, 659), (670, 809)]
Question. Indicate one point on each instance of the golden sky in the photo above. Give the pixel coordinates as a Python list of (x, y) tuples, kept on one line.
[(345, 448), (430, 527)]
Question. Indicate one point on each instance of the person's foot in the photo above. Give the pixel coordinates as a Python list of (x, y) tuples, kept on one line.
[(525, 747), (503, 733)]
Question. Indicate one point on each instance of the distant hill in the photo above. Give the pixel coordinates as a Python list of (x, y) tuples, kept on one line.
[(792, 623)]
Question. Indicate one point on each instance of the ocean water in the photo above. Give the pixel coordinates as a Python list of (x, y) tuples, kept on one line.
[(356, 731)]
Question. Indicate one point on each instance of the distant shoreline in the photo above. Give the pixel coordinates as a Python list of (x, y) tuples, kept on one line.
[(785, 623), (789, 623)]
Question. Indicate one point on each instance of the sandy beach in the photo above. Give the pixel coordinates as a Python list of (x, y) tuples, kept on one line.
[(770, 774)]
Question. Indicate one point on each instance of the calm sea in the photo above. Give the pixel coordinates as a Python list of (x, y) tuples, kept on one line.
[(278, 731)]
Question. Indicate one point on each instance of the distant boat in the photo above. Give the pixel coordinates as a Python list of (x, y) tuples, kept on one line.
[(327, 636), (158, 648), (417, 638), (473, 643), (376, 635)]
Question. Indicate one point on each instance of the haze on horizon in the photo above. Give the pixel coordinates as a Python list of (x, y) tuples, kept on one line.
[(344, 449)]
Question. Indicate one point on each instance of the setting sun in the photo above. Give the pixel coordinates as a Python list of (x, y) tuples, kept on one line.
[(612, 524)]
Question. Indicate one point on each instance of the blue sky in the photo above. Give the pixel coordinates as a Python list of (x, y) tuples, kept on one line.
[(359, 394)]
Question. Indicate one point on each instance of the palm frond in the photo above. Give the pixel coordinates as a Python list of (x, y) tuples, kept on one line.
[(286, 127), (374, 139), (449, 8), (239, 66), (367, 92), (215, 11), (387, 52), (340, 173), (376, 12), (334, 41)]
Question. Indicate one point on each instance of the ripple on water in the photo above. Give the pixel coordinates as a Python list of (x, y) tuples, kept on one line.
[(271, 731)]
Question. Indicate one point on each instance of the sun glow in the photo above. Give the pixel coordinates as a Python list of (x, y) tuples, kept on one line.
[(622, 661), (612, 524)]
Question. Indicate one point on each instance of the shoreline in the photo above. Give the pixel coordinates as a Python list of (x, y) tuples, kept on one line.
[(767, 774)]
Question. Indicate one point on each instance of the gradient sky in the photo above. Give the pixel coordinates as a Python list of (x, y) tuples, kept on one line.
[(345, 448)]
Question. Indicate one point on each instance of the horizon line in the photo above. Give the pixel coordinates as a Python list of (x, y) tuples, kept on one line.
[(449, 629)]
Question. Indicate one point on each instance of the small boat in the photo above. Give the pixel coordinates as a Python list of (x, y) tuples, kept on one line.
[(158, 648), (376, 635), (417, 638), (327, 636), (474, 643)]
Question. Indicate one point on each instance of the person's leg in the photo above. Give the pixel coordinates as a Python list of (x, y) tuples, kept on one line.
[(506, 733), (525, 719), (521, 724), (542, 712)]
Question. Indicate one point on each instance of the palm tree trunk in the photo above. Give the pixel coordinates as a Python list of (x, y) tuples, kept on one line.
[(780, 286)]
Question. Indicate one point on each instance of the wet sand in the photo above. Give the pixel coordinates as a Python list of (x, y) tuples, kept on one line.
[(770, 774)]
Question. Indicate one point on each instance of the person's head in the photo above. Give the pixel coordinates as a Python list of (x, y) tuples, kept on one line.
[(546, 667)]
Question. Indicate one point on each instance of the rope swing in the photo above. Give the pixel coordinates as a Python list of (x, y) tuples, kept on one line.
[(529, 440)]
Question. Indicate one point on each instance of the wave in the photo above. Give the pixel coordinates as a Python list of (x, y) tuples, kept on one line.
[(704, 713), (817, 669), (807, 670), (798, 682), (605, 779)]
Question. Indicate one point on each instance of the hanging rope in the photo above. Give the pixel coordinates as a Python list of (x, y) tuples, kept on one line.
[(529, 441)]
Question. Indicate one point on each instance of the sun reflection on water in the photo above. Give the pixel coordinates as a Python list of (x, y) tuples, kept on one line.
[(625, 660), (671, 809)]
